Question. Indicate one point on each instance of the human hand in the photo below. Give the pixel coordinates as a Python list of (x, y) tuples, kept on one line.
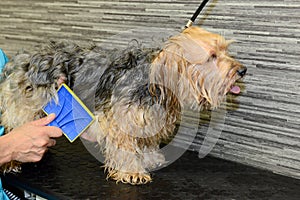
[(31, 140)]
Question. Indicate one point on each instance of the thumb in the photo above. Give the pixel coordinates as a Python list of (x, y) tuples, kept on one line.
[(45, 120)]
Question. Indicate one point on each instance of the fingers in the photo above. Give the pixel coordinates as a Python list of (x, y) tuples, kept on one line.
[(44, 121), (61, 80), (51, 143), (37, 153), (52, 131), (31, 140)]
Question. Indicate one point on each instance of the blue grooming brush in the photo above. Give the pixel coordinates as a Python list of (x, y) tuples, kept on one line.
[(72, 116)]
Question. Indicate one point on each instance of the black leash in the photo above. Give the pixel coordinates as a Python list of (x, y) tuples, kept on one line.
[(192, 20)]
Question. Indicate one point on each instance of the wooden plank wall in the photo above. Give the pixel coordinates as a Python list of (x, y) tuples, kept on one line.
[(262, 124)]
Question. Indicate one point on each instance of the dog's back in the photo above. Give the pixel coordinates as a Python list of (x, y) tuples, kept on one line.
[(126, 76)]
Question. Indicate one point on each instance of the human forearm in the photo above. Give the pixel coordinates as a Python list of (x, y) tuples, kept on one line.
[(6, 150)]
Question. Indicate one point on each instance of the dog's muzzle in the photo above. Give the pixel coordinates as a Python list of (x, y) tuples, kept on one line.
[(241, 72)]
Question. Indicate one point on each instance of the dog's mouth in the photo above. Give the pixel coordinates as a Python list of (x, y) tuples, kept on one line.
[(235, 89)]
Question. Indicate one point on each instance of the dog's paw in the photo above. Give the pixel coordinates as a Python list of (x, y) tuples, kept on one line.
[(11, 167), (130, 177)]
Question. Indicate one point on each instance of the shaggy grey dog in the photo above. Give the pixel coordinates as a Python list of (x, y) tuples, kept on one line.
[(136, 94)]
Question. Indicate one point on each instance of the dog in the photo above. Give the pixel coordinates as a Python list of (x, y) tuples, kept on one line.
[(138, 93)]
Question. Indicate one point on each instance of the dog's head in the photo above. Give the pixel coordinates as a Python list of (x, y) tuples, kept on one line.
[(196, 66)]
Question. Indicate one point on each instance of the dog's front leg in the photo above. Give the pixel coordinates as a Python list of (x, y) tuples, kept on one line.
[(131, 142), (123, 160)]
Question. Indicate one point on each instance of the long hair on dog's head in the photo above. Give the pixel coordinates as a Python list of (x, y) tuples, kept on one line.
[(196, 67)]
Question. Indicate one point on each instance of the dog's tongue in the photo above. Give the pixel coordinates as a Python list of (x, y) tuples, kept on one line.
[(235, 89)]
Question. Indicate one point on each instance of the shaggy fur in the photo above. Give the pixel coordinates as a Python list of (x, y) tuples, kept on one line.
[(139, 93)]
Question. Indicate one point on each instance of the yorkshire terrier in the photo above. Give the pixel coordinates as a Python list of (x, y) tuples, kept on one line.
[(138, 95)]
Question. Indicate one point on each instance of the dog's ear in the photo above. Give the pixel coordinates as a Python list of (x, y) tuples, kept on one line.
[(193, 51)]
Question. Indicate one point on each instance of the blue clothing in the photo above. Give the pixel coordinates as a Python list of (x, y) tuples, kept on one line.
[(3, 196), (3, 61)]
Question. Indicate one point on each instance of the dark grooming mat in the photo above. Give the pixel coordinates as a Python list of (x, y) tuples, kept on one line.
[(68, 171)]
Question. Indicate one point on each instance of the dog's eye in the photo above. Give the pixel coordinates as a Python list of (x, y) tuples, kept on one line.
[(28, 89), (212, 57)]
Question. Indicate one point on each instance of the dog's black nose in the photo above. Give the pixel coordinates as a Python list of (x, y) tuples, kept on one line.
[(242, 71)]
